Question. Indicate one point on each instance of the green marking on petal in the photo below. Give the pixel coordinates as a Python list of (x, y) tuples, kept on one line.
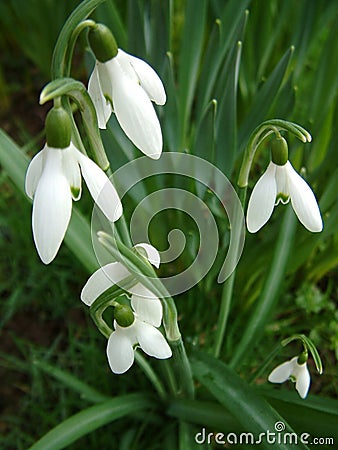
[(284, 198), (75, 192)]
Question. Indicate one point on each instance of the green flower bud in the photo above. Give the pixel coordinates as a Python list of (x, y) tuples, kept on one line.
[(302, 358), (102, 42), (123, 315), (58, 128), (279, 151)]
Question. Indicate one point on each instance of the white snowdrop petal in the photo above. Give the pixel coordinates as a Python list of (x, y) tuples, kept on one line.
[(262, 200), (101, 280), (152, 341), (34, 172), (135, 113), (100, 187), (120, 352), (52, 207), (304, 202), (152, 254), (149, 80), (282, 372), (71, 169), (146, 305), (102, 106), (302, 380)]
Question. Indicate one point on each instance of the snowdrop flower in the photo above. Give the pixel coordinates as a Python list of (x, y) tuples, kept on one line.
[(53, 179), (294, 371), (126, 85), (143, 318), (281, 183)]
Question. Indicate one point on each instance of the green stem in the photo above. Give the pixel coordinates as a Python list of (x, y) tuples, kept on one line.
[(182, 368), (229, 283), (151, 375), (264, 130), (271, 290)]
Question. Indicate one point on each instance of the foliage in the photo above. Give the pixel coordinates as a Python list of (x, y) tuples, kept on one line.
[(227, 66)]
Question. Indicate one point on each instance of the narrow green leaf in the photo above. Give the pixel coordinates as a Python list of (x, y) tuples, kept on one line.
[(262, 100), (189, 61), (316, 415), (86, 392), (270, 292), (226, 120), (252, 412), (90, 419)]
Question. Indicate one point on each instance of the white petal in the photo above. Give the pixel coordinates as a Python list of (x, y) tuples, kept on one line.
[(101, 280), (282, 182), (120, 352), (34, 172), (304, 202), (302, 380), (282, 372), (148, 79), (135, 112), (52, 207), (152, 341), (262, 200), (100, 188), (147, 306), (102, 106), (152, 254), (71, 169)]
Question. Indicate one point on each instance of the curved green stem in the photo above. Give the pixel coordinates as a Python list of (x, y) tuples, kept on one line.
[(63, 50), (264, 130)]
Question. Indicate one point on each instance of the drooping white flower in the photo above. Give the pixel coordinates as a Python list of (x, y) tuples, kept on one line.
[(292, 370), (281, 184), (147, 310), (127, 85), (53, 179)]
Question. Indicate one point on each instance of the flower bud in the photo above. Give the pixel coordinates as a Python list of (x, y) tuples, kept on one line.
[(58, 128), (102, 42), (302, 358), (123, 315), (279, 151)]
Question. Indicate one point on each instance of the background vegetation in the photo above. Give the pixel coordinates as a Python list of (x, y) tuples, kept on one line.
[(287, 70)]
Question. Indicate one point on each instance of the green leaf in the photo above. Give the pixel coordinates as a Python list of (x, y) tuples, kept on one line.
[(252, 412), (270, 293), (69, 380), (90, 419), (264, 98), (189, 61), (317, 416)]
